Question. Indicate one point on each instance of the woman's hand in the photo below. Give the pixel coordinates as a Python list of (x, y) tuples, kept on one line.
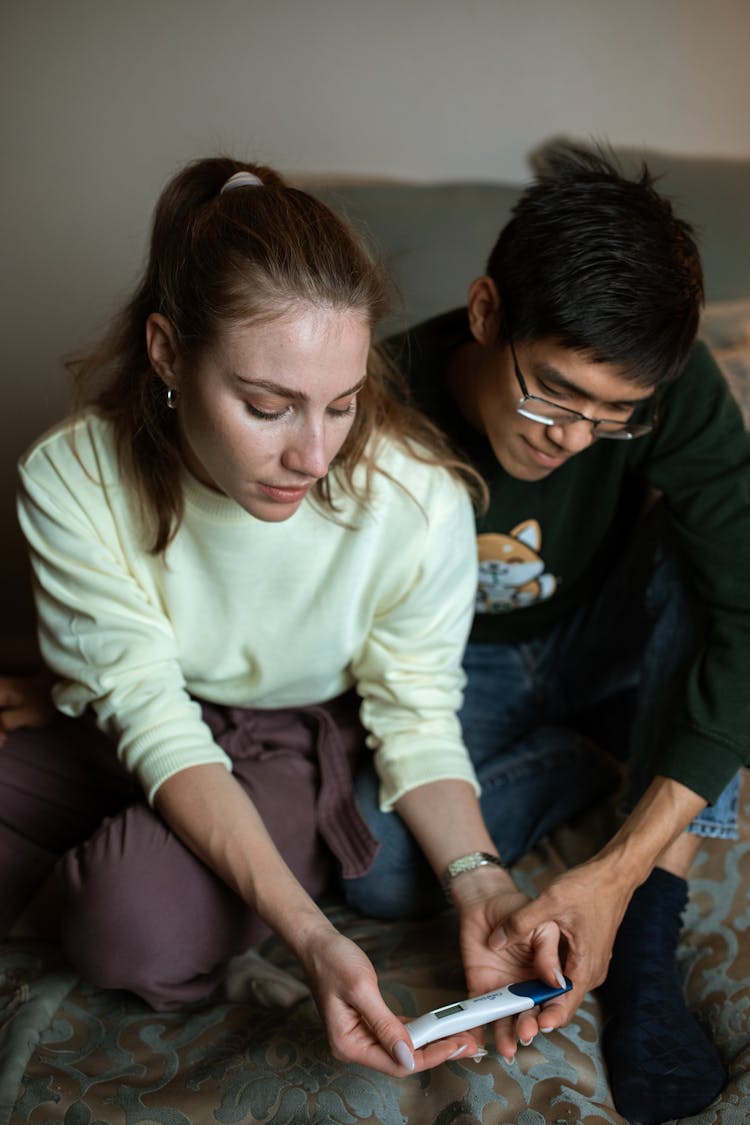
[(25, 701), (210, 812), (361, 1027), (486, 900), (445, 818)]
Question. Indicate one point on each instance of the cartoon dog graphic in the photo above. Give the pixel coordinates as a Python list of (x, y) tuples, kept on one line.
[(511, 571)]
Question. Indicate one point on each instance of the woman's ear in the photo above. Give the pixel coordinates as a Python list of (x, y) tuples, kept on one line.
[(161, 349), (485, 311)]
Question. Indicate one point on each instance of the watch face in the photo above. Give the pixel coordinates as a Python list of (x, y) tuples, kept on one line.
[(468, 863)]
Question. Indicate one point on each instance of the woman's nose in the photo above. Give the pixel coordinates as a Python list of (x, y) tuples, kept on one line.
[(307, 453)]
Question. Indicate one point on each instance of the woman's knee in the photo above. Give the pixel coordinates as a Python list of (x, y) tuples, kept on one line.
[(142, 913)]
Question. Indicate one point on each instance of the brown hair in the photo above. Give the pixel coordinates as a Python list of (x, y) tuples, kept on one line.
[(218, 258)]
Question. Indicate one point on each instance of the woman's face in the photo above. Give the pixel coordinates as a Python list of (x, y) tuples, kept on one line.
[(264, 413)]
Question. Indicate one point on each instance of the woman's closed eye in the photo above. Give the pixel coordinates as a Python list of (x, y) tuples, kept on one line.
[(344, 410), (267, 413)]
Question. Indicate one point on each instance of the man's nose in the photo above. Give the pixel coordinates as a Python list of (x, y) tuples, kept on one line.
[(573, 437)]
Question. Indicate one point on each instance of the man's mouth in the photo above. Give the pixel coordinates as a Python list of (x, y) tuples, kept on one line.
[(551, 459)]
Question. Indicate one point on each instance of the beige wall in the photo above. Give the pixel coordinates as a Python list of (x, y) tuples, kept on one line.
[(102, 99)]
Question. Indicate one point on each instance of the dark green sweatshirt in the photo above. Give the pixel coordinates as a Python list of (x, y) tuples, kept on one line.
[(545, 546)]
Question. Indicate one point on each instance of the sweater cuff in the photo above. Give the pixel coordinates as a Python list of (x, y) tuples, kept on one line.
[(700, 762), (420, 766)]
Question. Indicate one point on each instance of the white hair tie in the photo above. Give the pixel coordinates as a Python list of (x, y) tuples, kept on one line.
[(242, 179)]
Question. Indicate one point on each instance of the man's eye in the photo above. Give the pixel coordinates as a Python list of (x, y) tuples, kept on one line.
[(552, 392)]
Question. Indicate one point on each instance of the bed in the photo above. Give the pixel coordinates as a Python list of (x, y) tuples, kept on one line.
[(75, 1054)]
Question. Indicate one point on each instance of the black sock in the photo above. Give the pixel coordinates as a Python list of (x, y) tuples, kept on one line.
[(661, 1064)]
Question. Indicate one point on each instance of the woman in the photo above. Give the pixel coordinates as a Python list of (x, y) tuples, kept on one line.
[(251, 568)]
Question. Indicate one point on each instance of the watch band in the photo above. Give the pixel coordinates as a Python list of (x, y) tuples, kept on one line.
[(467, 863)]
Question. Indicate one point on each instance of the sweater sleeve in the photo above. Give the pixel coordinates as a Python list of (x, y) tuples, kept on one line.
[(102, 629), (409, 671), (701, 464)]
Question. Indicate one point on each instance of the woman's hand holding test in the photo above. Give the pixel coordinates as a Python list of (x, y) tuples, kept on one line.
[(213, 816)]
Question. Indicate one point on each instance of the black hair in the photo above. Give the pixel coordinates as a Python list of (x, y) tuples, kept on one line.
[(600, 263)]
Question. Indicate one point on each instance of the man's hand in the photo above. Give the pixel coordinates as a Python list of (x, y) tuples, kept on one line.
[(25, 701), (586, 905), (588, 902)]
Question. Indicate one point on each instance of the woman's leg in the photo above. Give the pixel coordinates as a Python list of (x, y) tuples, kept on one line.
[(56, 783), (145, 914)]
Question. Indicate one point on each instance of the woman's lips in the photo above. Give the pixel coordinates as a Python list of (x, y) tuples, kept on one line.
[(286, 494)]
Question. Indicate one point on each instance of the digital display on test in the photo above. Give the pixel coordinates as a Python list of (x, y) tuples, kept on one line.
[(448, 1011)]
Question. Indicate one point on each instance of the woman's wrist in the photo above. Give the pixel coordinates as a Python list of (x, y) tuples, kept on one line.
[(464, 864), (479, 883)]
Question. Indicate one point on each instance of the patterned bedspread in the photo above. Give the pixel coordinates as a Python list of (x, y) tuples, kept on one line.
[(75, 1054)]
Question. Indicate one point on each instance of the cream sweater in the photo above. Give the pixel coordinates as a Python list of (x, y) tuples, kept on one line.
[(252, 614)]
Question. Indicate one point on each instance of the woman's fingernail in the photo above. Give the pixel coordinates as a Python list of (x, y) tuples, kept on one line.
[(455, 1054), (546, 1030), (525, 1042), (481, 1054), (403, 1055), (560, 978)]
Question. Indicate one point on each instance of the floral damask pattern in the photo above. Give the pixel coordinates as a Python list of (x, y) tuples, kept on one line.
[(74, 1054)]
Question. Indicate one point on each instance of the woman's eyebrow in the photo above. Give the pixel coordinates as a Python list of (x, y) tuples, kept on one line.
[(290, 392)]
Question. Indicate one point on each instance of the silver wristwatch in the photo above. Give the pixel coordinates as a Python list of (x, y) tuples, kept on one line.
[(467, 863)]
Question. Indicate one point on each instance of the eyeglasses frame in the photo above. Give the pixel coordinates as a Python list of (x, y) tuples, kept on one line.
[(625, 434)]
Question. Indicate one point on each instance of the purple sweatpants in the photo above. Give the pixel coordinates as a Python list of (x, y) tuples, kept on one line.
[(141, 912)]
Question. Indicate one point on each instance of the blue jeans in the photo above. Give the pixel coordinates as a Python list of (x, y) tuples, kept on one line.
[(547, 723)]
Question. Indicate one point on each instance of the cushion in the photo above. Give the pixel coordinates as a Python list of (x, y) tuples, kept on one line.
[(434, 238), (712, 193), (725, 326)]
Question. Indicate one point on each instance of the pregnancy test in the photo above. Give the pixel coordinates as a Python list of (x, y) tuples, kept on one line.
[(478, 1010)]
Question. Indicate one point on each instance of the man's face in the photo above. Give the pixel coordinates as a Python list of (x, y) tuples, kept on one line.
[(530, 450)]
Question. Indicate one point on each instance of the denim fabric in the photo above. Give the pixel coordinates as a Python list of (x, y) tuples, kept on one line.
[(548, 722)]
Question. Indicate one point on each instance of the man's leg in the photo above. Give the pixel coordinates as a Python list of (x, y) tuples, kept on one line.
[(660, 1062), (534, 774)]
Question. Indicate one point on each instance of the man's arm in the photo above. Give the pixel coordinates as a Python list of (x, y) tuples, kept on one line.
[(588, 902)]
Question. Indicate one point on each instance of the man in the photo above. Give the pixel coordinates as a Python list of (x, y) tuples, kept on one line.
[(613, 595)]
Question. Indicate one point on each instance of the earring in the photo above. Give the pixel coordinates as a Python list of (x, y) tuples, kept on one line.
[(172, 398)]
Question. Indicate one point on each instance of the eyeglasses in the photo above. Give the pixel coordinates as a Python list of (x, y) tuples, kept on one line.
[(555, 415)]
